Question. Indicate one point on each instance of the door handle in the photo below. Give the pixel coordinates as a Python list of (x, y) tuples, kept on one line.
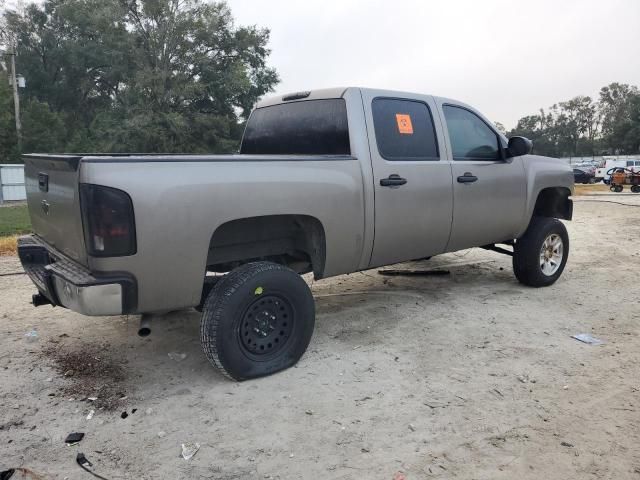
[(468, 177), (393, 180)]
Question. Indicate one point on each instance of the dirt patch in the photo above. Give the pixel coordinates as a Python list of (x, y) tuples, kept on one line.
[(587, 189), (91, 373)]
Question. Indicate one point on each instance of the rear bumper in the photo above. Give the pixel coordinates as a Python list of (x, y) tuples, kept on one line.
[(68, 284)]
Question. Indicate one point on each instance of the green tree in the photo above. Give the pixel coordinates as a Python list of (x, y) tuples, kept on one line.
[(138, 75), (43, 130), (581, 126), (8, 141), (618, 108)]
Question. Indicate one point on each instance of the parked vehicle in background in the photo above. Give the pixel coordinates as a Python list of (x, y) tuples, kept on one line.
[(583, 176), (331, 182), (587, 167), (602, 172)]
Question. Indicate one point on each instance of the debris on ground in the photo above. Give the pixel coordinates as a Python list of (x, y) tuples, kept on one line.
[(178, 357), (84, 463), (525, 379), (74, 438), (25, 473), (189, 450), (566, 444), (90, 372), (413, 273), (587, 338), (399, 476), (91, 414), (124, 415), (31, 336), (7, 474)]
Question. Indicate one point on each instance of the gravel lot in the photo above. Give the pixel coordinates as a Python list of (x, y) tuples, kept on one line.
[(467, 375)]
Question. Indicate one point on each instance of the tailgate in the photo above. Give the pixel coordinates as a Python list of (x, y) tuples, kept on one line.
[(53, 198)]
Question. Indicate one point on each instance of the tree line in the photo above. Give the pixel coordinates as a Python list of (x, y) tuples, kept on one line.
[(180, 76), (131, 76), (583, 126)]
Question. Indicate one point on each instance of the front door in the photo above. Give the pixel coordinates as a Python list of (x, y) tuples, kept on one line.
[(489, 190), (412, 178)]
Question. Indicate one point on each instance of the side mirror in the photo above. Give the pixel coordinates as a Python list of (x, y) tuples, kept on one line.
[(519, 146)]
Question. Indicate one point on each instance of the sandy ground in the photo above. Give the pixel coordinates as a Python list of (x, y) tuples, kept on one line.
[(469, 375)]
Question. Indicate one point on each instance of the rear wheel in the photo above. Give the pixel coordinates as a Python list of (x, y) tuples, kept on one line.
[(257, 320), (619, 188), (635, 189), (540, 255)]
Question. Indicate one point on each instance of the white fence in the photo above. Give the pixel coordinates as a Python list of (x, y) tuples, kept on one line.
[(599, 159), (12, 183)]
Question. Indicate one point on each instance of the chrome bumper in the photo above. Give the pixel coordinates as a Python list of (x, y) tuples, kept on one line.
[(68, 284)]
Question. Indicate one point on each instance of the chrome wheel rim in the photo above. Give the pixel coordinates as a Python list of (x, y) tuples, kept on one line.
[(551, 254)]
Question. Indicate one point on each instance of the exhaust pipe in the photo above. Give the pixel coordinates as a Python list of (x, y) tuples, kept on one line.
[(145, 326)]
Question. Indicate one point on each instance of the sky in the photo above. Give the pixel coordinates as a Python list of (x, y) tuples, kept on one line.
[(506, 58)]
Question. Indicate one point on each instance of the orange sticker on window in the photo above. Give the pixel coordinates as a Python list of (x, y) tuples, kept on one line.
[(404, 124)]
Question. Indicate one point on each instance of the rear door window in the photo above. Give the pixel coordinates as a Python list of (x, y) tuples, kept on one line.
[(311, 127), (404, 130), (471, 138)]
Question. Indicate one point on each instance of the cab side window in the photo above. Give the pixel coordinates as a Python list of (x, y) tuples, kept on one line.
[(404, 130), (471, 138)]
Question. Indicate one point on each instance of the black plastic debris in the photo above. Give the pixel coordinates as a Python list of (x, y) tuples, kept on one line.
[(7, 474), (24, 473), (124, 415), (73, 438), (85, 464), (413, 273)]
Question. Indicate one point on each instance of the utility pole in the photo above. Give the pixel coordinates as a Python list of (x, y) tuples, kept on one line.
[(16, 98)]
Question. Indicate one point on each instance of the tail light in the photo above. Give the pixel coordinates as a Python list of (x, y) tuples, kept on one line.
[(107, 218)]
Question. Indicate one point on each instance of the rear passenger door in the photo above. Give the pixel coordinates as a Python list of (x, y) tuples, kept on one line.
[(489, 190), (412, 179)]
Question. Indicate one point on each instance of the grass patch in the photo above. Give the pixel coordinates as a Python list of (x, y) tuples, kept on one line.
[(14, 221)]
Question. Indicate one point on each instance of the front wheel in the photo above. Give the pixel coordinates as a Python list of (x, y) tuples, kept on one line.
[(540, 255), (257, 320)]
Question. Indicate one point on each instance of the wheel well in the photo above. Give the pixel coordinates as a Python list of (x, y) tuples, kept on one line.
[(297, 241), (554, 202)]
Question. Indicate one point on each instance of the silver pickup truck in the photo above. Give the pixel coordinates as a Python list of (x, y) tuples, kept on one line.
[(329, 181)]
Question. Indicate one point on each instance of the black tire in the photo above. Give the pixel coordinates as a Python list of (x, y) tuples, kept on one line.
[(257, 320), (619, 188), (528, 249)]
